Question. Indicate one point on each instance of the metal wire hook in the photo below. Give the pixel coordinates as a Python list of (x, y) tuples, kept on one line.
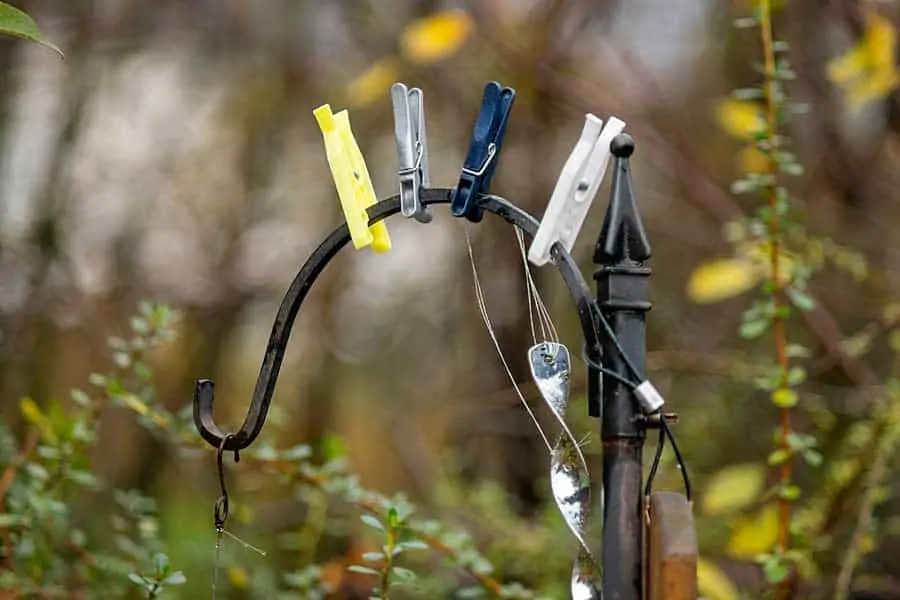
[(221, 509)]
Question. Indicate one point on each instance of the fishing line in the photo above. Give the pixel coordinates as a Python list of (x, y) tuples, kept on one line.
[(220, 515), (482, 307), (548, 328)]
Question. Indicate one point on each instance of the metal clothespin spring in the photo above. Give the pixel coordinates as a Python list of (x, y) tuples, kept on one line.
[(492, 151)]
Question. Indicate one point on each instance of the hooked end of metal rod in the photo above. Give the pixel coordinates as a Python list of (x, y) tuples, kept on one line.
[(204, 398)]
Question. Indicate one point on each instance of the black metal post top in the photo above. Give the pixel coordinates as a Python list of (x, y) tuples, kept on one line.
[(623, 240), (310, 271), (623, 246)]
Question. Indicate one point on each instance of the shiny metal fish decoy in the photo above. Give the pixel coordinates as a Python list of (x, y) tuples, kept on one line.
[(569, 478)]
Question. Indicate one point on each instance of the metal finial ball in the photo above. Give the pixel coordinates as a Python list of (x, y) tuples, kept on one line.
[(622, 146)]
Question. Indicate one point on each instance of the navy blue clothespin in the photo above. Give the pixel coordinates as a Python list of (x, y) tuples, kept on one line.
[(484, 150)]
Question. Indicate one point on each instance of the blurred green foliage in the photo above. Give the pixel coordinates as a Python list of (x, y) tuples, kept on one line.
[(197, 113)]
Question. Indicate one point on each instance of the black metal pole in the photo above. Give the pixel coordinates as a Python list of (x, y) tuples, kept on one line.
[(623, 297)]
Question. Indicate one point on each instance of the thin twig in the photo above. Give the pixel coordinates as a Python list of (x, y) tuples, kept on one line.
[(777, 288), (9, 475), (875, 478)]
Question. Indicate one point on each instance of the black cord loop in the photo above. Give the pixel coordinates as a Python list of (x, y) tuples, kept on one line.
[(664, 430)]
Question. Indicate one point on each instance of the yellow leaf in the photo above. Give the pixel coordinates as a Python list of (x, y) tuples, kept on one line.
[(740, 118), (867, 71), (894, 340), (713, 584), (849, 66), (35, 416), (372, 84), (746, 6), (733, 488), (136, 404), (160, 420), (874, 87), (867, 543), (751, 160), (891, 314), (238, 577), (754, 535), (436, 37), (723, 278)]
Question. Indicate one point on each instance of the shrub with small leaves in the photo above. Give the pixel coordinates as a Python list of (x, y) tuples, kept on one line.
[(161, 577), (397, 539), (50, 485)]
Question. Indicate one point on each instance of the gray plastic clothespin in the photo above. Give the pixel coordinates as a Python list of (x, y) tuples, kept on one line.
[(412, 150)]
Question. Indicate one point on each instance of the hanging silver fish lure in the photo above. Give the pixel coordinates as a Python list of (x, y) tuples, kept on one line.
[(569, 480)]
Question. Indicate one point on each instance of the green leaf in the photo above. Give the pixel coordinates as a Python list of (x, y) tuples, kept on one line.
[(7, 520), (776, 571), (139, 325), (372, 522), (745, 23), (793, 168), (372, 556), (413, 545), (403, 574), (161, 563), (779, 457), (780, 46), (801, 299), (139, 581), (18, 24), (363, 570), (751, 330), (789, 491), (743, 186), (784, 398), (176, 578), (81, 398), (796, 376), (752, 93), (800, 441), (296, 453), (797, 351), (122, 359), (333, 447), (813, 458), (84, 478)]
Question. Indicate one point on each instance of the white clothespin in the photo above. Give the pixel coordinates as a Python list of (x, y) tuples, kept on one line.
[(575, 189), (412, 149)]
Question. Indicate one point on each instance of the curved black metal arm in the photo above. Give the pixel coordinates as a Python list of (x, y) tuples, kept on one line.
[(310, 271)]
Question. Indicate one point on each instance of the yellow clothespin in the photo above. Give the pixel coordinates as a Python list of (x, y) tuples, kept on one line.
[(354, 187)]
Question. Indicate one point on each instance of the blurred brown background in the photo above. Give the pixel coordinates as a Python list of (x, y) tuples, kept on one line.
[(173, 155)]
